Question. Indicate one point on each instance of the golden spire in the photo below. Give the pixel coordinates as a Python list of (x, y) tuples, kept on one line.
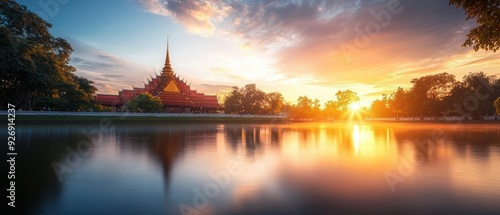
[(167, 68), (167, 61)]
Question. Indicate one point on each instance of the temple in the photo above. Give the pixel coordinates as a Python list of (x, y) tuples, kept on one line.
[(175, 95)]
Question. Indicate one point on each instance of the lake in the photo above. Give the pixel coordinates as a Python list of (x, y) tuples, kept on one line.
[(298, 168)]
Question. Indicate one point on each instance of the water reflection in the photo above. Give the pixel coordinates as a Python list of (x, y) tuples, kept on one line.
[(305, 168)]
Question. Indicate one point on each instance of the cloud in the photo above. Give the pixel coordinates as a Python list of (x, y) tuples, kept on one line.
[(213, 89), (305, 29), (109, 58), (490, 58), (113, 76), (154, 6), (408, 38), (197, 16), (91, 65), (105, 88), (226, 72), (109, 72)]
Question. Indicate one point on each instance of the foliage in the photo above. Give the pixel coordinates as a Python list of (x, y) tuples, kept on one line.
[(429, 91), (275, 100), (34, 66), (232, 102), (397, 102), (331, 110), (251, 100), (145, 103), (430, 96), (303, 109), (442, 95), (496, 104), (475, 95), (345, 99), (487, 15), (380, 107), (307, 108)]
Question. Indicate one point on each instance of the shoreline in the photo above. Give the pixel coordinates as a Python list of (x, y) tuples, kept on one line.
[(32, 117), (35, 117)]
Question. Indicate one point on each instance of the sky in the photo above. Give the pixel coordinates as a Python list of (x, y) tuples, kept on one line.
[(313, 48)]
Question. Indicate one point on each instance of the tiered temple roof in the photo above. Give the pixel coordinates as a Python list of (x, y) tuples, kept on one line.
[(172, 91)]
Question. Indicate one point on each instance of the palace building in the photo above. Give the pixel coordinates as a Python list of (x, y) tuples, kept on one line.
[(175, 95)]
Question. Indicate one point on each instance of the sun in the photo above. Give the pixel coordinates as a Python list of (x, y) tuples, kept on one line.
[(356, 106)]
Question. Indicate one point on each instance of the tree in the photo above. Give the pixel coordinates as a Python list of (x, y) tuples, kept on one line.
[(316, 108), (287, 108), (275, 102), (398, 103), (331, 109), (345, 99), (232, 102), (380, 107), (69, 96), (34, 65), (251, 100), (145, 103), (486, 35), (479, 86), (304, 105), (496, 104), (428, 92), (303, 109)]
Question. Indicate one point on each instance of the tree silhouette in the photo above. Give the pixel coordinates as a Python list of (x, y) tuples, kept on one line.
[(496, 104), (251, 100), (34, 65), (486, 35), (345, 99)]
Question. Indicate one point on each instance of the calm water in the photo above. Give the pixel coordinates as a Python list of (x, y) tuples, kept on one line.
[(305, 168)]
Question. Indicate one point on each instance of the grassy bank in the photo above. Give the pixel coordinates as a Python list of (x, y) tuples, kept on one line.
[(61, 119)]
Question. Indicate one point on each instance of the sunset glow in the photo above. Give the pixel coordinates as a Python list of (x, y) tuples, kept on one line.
[(251, 107), (356, 106), (292, 47)]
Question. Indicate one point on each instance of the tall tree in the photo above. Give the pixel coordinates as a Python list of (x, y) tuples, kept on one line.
[(253, 100), (398, 103), (345, 99), (331, 109), (380, 107), (486, 35), (33, 63), (275, 102), (303, 108), (427, 93), (232, 102), (316, 108), (474, 95)]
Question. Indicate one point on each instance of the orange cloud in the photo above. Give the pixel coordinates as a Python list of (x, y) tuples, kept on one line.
[(391, 42), (196, 16)]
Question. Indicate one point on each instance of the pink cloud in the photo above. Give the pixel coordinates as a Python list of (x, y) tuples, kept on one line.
[(307, 37)]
